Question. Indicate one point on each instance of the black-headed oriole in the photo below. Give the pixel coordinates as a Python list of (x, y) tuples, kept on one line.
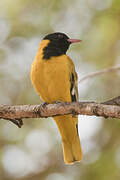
[(54, 78)]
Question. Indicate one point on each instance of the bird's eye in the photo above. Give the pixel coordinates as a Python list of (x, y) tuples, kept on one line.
[(60, 36)]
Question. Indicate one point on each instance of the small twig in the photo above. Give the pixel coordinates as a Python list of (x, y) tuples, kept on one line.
[(17, 122), (115, 101), (101, 72)]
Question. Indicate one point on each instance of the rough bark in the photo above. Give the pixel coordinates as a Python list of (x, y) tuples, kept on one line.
[(16, 113)]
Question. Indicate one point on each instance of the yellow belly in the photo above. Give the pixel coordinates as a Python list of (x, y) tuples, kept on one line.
[(51, 78)]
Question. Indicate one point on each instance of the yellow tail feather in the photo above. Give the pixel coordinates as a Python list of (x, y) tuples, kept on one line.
[(70, 139), (72, 152)]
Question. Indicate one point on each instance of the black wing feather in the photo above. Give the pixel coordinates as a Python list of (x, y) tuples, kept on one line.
[(72, 89)]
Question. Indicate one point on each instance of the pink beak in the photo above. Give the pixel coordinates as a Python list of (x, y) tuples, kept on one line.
[(74, 40)]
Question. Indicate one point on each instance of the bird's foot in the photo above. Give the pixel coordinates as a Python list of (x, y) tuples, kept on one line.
[(57, 102), (44, 104)]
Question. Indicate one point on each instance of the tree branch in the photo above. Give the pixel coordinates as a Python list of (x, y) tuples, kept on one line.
[(15, 114), (101, 72)]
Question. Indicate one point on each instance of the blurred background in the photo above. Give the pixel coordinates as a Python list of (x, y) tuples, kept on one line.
[(35, 152)]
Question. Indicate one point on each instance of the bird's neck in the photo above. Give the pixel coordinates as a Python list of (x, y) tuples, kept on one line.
[(48, 50), (51, 51), (40, 52)]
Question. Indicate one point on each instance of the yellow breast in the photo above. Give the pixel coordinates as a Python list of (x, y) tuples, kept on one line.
[(51, 78)]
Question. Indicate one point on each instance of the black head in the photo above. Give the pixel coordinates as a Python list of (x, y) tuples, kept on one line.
[(58, 37), (58, 45)]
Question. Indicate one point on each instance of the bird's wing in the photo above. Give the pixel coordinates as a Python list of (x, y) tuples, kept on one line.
[(74, 86)]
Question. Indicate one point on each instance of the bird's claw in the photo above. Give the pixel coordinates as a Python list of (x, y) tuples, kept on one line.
[(57, 102), (44, 104)]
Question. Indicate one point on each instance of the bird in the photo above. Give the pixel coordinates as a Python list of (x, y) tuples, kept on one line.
[(54, 78)]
